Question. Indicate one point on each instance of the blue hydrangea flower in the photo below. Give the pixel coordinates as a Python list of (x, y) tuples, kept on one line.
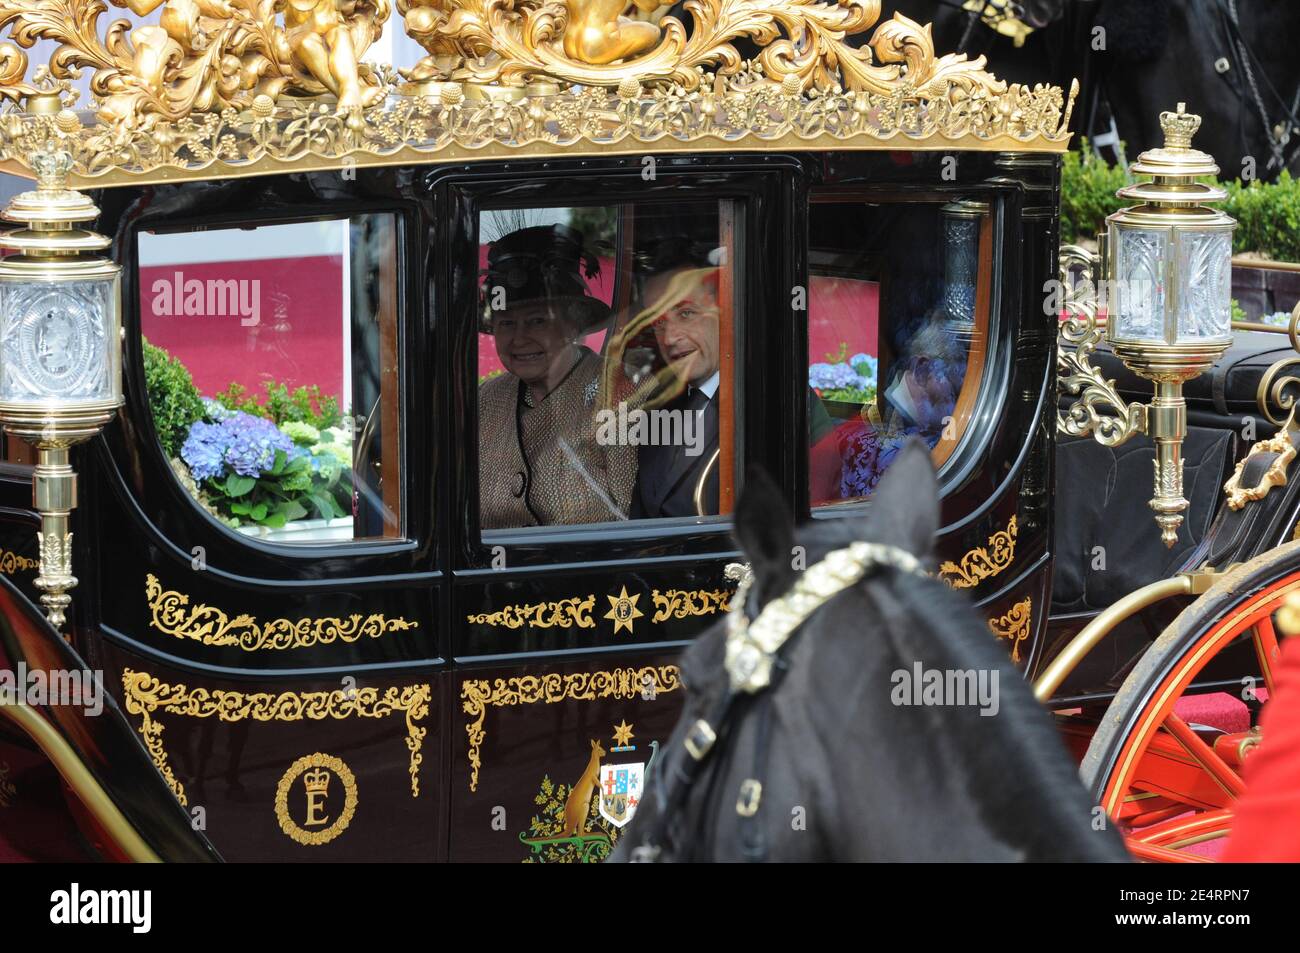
[(204, 450), (864, 364), (832, 376), (252, 442)]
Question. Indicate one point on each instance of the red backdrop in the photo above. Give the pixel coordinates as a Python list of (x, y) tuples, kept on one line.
[(298, 339)]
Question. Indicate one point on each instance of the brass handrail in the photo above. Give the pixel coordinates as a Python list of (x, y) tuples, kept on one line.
[(88, 790), (1096, 630), (1268, 264)]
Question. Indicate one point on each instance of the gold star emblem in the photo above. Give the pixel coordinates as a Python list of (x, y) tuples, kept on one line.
[(623, 734), (623, 611)]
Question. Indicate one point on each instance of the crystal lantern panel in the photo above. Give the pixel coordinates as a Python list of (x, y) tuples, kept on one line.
[(1140, 283), (1204, 285), (55, 344)]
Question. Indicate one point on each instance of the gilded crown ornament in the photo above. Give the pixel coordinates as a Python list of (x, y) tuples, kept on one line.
[(244, 87), (1179, 127)]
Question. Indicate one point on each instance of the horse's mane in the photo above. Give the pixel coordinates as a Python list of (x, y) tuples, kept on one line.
[(908, 618)]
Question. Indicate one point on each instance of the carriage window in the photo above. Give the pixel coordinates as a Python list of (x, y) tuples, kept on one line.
[(606, 353), (270, 357), (897, 325)]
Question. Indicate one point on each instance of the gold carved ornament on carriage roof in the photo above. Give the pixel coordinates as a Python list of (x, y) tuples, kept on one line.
[(478, 695), (246, 87), (147, 696), (171, 613)]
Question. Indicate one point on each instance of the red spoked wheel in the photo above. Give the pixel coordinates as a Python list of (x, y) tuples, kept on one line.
[(1165, 776)]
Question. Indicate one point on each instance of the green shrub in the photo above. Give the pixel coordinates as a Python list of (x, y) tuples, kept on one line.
[(173, 398), (1088, 186), (1267, 214), (1268, 217), (280, 405)]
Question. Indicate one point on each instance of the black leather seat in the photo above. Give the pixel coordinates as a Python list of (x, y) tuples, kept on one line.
[(1102, 517)]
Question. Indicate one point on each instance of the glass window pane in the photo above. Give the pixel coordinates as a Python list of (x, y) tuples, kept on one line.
[(897, 330), (271, 363), (607, 385)]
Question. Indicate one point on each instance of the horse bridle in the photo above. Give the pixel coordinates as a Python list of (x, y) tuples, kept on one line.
[(753, 663)]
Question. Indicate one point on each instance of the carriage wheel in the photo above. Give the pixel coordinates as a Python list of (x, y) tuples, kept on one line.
[(1169, 784)]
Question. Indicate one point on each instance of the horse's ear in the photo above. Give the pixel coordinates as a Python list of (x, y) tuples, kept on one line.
[(905, 507), (764, 532)]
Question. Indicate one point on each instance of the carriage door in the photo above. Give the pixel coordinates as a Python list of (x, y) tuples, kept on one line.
[(608, 330)]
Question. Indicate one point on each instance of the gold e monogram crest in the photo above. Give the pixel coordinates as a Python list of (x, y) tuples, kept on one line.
[(316, 801)]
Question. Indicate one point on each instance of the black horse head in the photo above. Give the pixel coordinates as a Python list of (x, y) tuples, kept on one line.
[(848, 754)]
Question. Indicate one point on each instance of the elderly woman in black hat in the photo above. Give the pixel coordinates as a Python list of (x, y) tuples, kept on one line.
[(539, 461)]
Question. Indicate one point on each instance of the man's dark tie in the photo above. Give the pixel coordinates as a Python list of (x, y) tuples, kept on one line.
[(696, 399)]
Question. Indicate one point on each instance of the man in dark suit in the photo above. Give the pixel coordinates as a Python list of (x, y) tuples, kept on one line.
[(684, 295)]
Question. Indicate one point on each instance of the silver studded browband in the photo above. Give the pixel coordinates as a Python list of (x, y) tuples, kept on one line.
[(752, 646)]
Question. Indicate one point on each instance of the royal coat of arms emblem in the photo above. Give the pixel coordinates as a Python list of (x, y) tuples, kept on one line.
[(620, 791)]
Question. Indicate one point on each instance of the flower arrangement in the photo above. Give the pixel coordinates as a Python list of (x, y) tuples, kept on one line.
[(249, 462), (249, 470), (842, 378)]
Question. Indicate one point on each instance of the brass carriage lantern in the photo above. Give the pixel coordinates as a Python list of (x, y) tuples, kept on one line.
[(1167, 264), (60, 357)]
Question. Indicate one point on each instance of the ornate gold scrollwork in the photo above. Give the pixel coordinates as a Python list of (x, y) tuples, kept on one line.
[(204, 55), (576, 610), (591, 43), (1080, 336), (7, 790), (984, 562), (478, 695), (223, 87), (146, 696), (561, 613), (1014, 625), (1275, 475), (172, 614), (681, 603), (11, 563), (1277, 388), (1276, 400)]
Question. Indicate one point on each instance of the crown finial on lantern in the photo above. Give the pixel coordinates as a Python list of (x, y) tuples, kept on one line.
[(1179, 127), (52, 166)]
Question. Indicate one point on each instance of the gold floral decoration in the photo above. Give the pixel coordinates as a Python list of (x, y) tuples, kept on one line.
[(1014, 626), (984, 562), (681, 603), (11, 562), (232, 87), (172, 614), (147, 696), (478, 695), (563, 613)]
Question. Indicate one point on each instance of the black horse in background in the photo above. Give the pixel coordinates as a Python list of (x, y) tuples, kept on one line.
[(836, 760), (1232, 61)]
